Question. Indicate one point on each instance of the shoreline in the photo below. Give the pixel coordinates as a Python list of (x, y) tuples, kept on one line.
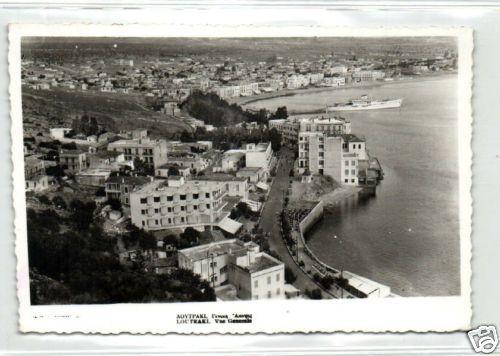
[(244, 101)]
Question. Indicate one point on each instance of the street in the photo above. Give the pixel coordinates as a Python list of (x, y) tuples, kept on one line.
[(269, 221)]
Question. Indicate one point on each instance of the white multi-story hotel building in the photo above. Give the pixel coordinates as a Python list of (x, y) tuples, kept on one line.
[(177, 203), (151, 152), (254, 274)]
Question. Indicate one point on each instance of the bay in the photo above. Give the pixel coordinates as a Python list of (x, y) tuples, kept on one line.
[(407, 236)]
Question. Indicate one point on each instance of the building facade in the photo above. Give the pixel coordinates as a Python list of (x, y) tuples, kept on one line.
[(254, 274), (151, 152), (177, 203)]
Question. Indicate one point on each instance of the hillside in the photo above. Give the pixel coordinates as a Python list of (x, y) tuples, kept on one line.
[(113, 111), (213, 110)]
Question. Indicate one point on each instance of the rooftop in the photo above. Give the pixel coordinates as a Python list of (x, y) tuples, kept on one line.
[(161, 185), (220, 177), (352, 138), (215, 248), (129, 180), (263, 262)]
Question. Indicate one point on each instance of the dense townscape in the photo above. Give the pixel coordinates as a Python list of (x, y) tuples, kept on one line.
[(148, 181)]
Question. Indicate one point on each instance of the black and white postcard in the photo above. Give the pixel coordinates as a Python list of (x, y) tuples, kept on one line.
[(193, 180)]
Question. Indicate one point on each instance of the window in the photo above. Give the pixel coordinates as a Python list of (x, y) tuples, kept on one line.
[(169, 220), (195, 207), (170, 198), (156, 199), (256, 283), (157, 211), (278, 292), (143, 223), (207, 195), (144, 211), (156, 222), (346, 172), (213, 264), (268, 279), (269, 295), (144, 201), (126, 200), (169, 209), (183, 208), (321, 154), (353, 180), (182, 219), (346, 163), (255, 297), (353, 171), (125, 189), (278, 277), (195, 196), (346, 180), (183, 196), (353, 163), (359, 146), (208, 206), (353, 146)]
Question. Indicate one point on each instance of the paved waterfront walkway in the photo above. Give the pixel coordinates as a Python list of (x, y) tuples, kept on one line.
[(270, 221)]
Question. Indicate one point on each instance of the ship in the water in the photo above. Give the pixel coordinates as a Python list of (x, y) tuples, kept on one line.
[(365, 103)]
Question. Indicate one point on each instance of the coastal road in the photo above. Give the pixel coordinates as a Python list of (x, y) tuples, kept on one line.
[(269, 221)]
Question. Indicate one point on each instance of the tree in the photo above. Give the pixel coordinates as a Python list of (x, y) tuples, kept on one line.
[(327, 281), (59, 202), (290, 277), (314, 294), (82, 213), (275, 138), (281, 113), (190, 237), (141, 168), (55, 171), (100, 192), (115, 204), (69, 146), (171, 240), (147, 241), (186, 136), (44, 199)]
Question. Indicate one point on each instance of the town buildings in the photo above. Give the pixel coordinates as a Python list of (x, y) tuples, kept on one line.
[(152, 152), (254, 274)]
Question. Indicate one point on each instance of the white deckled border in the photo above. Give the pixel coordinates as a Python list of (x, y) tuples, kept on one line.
[(272, 316)]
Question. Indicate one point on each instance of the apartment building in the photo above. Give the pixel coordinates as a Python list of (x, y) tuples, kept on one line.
[(151, 152), (177, 203), (258, 155), (254, 274), (289, 129), (338, 156), (74, 161), (119, 188), (34, 174)]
